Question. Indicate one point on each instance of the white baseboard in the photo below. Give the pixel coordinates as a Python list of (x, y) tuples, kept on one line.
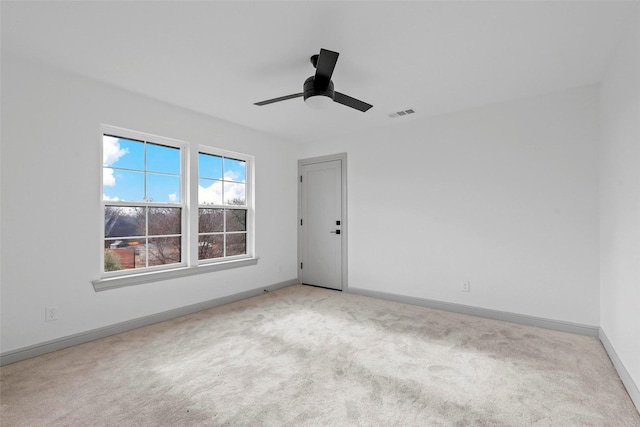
[(92, 335), (558, 325), (625, 377)]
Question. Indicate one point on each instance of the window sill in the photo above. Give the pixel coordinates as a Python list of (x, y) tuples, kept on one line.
[(155, 276)]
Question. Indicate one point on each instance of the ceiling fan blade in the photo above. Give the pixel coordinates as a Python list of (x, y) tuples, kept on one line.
[(343, 99), (324, 68), (282, 98)]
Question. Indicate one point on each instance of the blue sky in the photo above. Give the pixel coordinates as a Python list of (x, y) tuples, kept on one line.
[(124, 173)]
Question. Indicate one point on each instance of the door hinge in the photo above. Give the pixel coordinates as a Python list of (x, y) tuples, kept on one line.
[(300, 266), (300, 221), (300, 178)]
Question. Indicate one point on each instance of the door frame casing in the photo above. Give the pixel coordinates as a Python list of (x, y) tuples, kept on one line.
[(344, 223)]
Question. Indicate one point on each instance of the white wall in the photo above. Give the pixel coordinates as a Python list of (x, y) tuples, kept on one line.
[(51, 211), (503, 196), (620, 202)]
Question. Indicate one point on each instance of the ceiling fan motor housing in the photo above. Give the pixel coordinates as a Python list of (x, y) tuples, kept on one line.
[(314, 87)]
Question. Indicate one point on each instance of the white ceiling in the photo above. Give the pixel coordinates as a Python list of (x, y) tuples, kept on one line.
[(218, 58)]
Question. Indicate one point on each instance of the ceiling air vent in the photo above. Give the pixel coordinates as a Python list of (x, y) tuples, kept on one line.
[(401, 113)]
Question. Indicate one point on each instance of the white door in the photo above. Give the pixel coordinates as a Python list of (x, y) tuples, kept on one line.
[(321, 224)]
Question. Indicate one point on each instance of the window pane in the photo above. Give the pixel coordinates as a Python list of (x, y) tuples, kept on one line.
[(234, 193), (123, 221), (124, 254), (210, 220), (163, 188), (236, 244), (123, 185), (163, 159), (164, 221), (122, 153), (236, 219), (210, 246), (235, 170), (209, 192), (209, 166), (163, 250)]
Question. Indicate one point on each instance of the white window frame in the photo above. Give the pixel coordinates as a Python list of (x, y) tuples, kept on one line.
[(189, 264), (248, 206)]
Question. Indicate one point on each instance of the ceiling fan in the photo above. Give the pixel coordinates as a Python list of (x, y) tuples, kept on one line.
[(318, 89)]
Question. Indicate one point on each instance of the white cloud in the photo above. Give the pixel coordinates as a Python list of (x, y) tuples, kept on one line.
[(231, 175), (213, 193), (111, 150), (238, 176), (173, 197), (108, 179), (110, 199), (233, 190)]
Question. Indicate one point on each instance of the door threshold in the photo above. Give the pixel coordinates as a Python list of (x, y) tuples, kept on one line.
[(321, 287)]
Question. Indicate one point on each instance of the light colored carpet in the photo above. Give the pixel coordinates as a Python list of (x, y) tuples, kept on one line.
[(304, 356)]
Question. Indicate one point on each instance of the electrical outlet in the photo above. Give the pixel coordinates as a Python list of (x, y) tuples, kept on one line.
[(50, 314), (466, 286)]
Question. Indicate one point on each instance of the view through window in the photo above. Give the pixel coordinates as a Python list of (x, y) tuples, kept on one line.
[(222, 213), (142, 192), (146, 211)]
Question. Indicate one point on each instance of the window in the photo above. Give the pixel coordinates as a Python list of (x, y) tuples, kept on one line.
[(142, 193), (222, 213), (148, 206)]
